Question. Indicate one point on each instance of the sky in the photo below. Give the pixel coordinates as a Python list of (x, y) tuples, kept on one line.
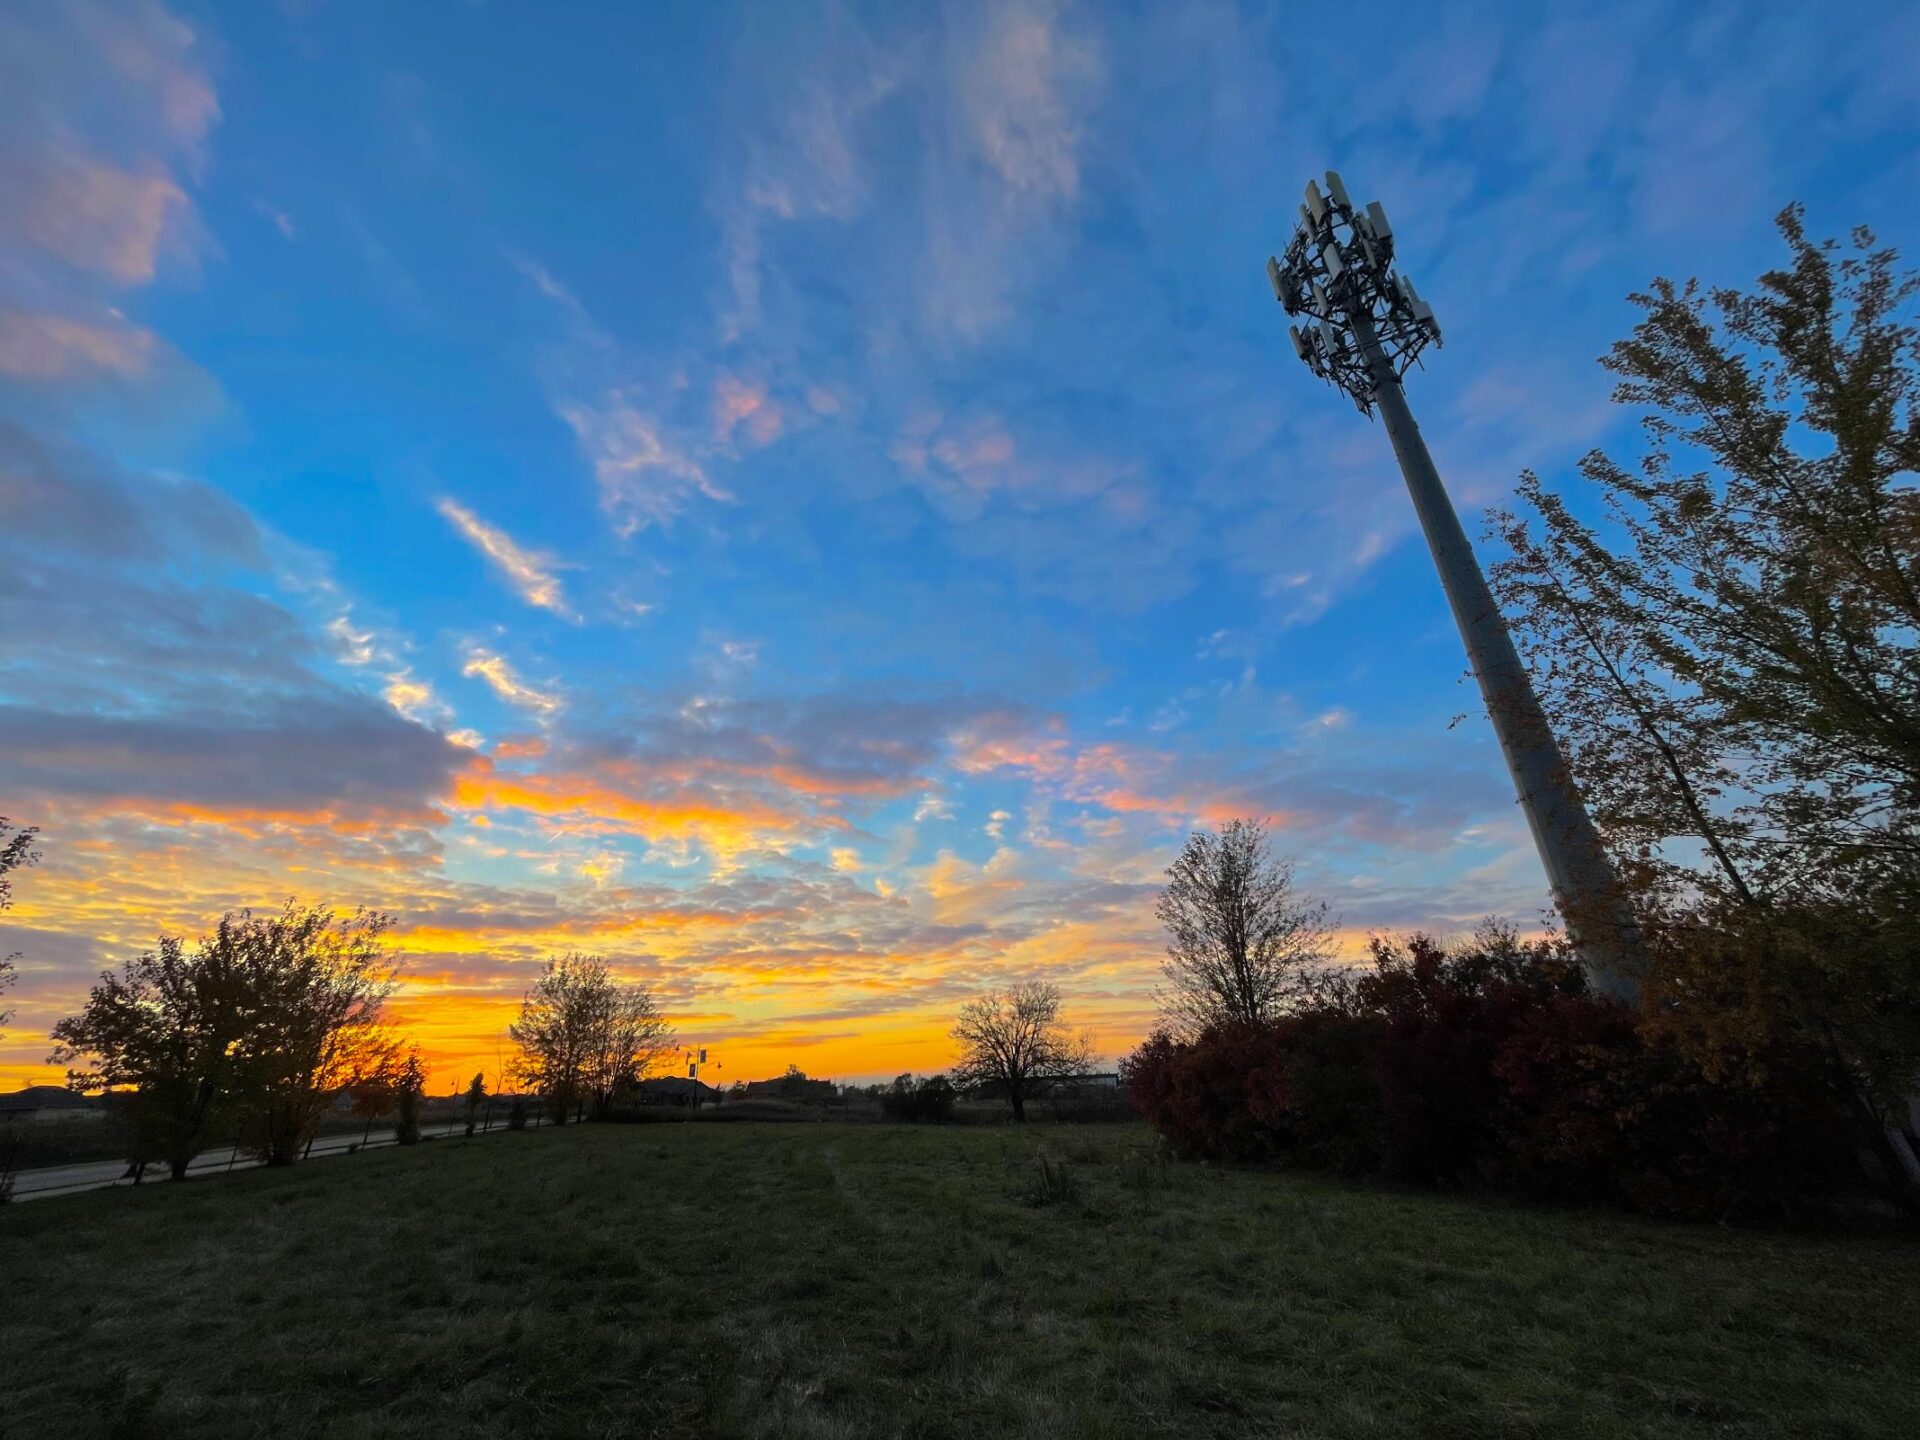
[(810, 502)]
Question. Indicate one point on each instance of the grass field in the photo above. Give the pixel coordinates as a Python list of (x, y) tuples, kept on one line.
[(708, 1280)]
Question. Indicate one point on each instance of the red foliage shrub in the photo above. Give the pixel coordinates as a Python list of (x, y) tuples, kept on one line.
[(1488, 1063), (1222, 1097)]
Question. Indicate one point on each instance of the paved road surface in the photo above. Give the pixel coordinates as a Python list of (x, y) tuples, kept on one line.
[(55, 1180)]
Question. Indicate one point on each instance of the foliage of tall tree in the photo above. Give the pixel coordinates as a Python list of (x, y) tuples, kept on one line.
[(316, 984), (166, 1031), (582, 1035), (1014, 1041), (633, 1036), (1243, 945), (16, 851), (1730, 652)]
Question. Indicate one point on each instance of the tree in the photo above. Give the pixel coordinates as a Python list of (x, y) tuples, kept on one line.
[(1242, 945), (476, 1096), (1734, 661), (1013, 1041), (370, 1097), (166, 1031), (408, 1094), (314, 989), (16, 852), (632, 1037), (582, 1035), (928, 1100), (1730, 652)]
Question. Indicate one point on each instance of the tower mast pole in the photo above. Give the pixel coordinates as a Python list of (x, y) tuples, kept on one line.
[(1366, 326)]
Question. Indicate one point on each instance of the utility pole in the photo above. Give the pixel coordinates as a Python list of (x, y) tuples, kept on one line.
[(1364, 326), (696, 1056)]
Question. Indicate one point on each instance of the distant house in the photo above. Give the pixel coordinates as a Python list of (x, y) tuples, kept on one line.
[(677, 1090), (791, 1087), (46, 1102)]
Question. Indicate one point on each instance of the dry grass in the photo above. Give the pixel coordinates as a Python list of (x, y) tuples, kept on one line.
[(839, 1281)]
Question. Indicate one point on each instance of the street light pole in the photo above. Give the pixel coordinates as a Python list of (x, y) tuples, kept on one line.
[(1365, 326)]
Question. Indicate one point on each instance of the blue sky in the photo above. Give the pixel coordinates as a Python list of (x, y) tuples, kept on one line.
[(812, 502)]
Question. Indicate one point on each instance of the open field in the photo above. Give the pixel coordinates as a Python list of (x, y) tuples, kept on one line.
[(876, 1281)]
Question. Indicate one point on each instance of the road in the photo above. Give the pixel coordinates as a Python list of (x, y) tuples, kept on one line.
[(51, 1181)]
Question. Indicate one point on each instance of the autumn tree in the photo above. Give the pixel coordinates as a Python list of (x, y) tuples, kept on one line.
[(315, 987), (1014, 1041), (164, 1033), (632, 1036), (582, 1035), (16, 851), (1242, 944), (1726, 634)]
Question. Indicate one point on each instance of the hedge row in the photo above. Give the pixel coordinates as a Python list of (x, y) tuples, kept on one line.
[(1493, 1065)]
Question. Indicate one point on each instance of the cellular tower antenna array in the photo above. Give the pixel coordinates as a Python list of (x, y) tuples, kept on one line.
[(1361, 327)]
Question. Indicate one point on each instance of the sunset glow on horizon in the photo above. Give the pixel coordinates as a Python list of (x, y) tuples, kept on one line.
[(811, 506)]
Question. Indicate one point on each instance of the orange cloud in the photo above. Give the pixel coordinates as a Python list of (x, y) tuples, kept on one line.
[(590, 798)]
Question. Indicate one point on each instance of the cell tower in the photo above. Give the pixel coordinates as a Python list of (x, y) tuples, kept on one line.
[(1364, 325)]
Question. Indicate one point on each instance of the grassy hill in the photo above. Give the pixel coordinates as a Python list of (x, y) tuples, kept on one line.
[(830, 1281)]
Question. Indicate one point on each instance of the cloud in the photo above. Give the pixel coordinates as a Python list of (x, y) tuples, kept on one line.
[(354, 645), (508, 686), (98, 217), (414, 698), (737, 403), (56, 499), (807, 165), (982, 117), (529, 572), (833, 747), (1025, 91), (323, 758), (103, 103), (643, 479), (54, 347), (278, 218), (147, 669)]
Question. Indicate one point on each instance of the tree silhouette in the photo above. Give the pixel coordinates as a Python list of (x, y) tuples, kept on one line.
[(1242, 945), (1014, 1041)]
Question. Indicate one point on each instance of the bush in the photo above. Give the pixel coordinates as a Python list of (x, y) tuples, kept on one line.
[(517, 1114), (406, 1116), (1221, 1097), (1053, 1181), (1491, 1064), (927, 1101)]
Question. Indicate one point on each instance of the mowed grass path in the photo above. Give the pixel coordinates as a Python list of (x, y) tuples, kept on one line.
[(718, 1280)]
